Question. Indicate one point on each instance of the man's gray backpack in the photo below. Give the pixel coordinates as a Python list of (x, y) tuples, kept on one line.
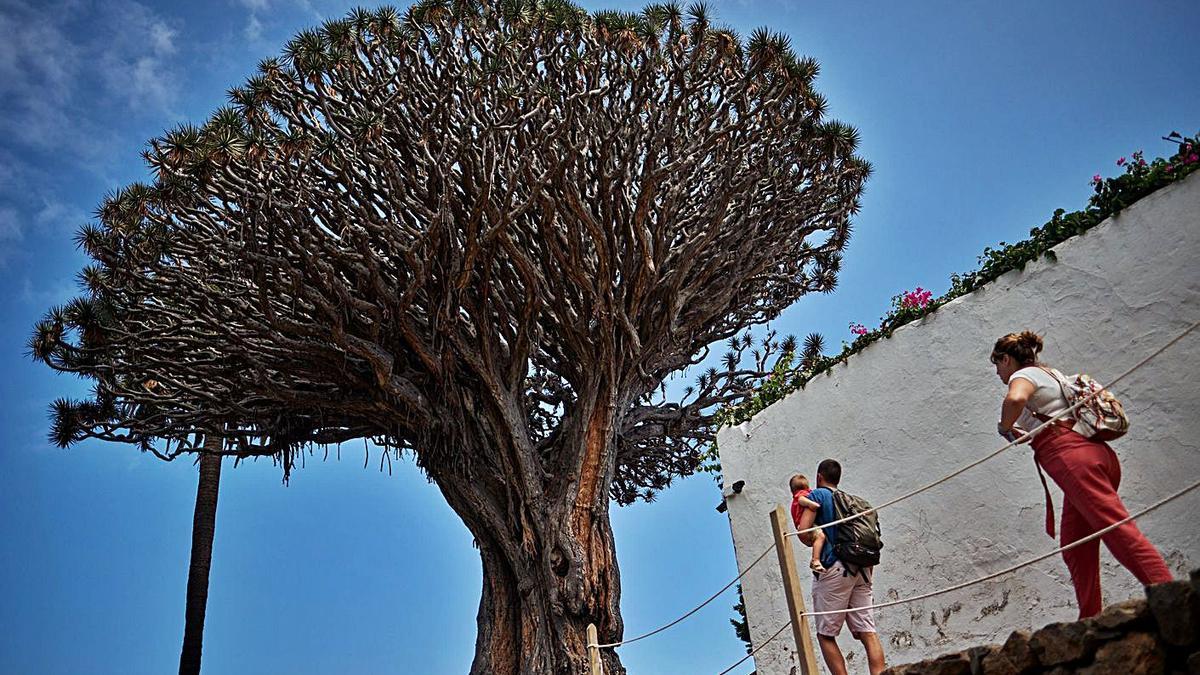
[(858, 541)]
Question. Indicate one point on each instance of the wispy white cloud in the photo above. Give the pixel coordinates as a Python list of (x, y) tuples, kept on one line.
[(7, 169), (11, 234), (34, 52), (55, 54), (253, 30), (256, 26), (10, 228), (162, 38), (37, 67), (308, 8), (60, 216), (145, 84), (55, 292), (67, 71), (136, 65), (33, 200)]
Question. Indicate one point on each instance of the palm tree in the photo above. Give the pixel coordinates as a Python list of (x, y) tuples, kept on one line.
[(204, 524), (94, 317)]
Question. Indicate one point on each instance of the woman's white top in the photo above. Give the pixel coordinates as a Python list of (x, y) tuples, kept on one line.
[(1047, 398)]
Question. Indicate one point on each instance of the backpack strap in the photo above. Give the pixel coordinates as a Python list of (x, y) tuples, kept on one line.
[(1049, 500), (1046, 418), (1062, 386)]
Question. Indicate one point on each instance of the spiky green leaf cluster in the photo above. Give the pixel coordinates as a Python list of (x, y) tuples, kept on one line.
[(312, 261)]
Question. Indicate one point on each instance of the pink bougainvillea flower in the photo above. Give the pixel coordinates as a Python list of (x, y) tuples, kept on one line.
[(858, 329), (915, 299), (1096, 179), (1141, 162), (1193, 158), (1121, 162)]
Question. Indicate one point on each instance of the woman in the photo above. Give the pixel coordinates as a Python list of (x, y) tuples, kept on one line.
[(1086, 470)]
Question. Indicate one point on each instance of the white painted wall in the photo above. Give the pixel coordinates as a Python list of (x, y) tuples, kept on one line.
[(912, 408)]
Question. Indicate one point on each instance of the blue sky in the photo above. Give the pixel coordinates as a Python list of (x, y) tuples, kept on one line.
[(981, 118)]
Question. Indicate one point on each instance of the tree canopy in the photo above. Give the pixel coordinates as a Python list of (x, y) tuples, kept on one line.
[(485, 233)]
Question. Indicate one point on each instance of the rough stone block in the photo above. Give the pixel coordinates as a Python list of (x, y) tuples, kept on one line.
[(977, 654), (1176, 610), (948, 664), (906, 669), (1134, 654), (1123, 616), (957, 663), (1060, 643), (1015, 657)]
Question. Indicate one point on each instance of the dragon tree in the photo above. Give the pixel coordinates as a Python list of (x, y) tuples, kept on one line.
[(484, 234)]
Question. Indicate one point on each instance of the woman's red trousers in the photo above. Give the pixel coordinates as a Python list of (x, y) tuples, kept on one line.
[(1088, 473)]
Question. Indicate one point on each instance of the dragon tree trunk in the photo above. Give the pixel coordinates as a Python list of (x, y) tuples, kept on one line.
[(546, 544)]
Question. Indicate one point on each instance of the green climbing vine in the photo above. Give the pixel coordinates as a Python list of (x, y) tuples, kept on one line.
[(1110, 196)]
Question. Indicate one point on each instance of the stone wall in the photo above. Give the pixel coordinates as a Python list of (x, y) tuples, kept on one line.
[(1153, 636), (909, 409)]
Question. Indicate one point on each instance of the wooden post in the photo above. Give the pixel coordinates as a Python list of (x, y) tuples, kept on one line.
[(781, 525), (593, 638)]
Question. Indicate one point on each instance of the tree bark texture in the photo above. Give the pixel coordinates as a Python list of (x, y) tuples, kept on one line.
[(204, 523), (546, 544)]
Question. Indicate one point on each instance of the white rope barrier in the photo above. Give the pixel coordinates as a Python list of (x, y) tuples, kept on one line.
[(1014, 568), (714, 596), (988, 577), (1019, 440), (755, 650)]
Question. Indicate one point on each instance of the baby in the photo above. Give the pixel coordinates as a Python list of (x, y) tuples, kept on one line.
[(800, 490)]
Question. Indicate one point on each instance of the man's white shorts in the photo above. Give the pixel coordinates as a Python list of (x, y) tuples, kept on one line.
[(836, 590)]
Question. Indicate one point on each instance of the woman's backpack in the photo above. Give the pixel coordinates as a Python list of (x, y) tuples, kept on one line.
[(1102, 414), (860, 540)]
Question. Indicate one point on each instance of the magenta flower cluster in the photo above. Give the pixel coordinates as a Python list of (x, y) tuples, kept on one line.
[(1190, 157), (1138, 161), (916, 299)]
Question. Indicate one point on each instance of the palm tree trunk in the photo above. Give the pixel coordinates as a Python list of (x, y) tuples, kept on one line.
[(204, 524)]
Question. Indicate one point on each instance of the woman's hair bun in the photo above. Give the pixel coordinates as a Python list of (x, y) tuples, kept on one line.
[(1031, 340), (1023, 347)]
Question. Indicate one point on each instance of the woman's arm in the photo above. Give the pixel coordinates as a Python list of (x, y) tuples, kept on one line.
[(1019, 391)]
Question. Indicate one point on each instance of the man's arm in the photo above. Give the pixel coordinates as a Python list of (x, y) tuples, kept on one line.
[(807, 519), (808, 503)]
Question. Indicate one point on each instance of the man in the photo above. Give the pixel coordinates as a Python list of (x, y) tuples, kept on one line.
[(837, 587)]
